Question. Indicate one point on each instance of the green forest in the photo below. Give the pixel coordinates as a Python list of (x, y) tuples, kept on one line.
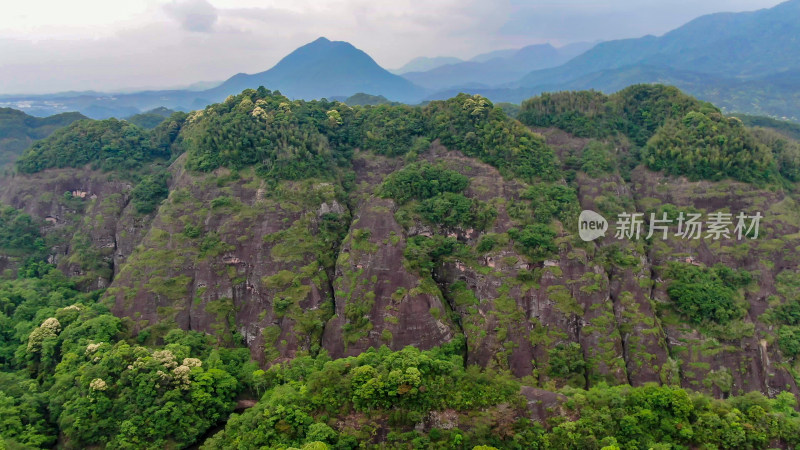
[(69, 367), (19, 130), (672, 132), (458, 187)]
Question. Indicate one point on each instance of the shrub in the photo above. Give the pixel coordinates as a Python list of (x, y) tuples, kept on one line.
[(536, 241), (19, 233), (566, 360), (422, 181), (597, 159), (452, 210), (789, 340), (149, 192), (706, 294), (709, 146), (553, 202)]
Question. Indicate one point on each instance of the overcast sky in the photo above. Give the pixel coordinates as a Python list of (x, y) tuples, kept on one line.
[(58, 45)]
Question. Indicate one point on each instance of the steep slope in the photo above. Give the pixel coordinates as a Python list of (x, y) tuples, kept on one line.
[(246, 268), (379, 302), (520, 292), (296, 227), (280, 248), (305, 236), (92, 187)]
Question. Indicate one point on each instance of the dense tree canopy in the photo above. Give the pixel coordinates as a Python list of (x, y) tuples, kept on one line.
[(19, 233), (296, 139), (675, 132), (709, 146), (70, 367), (110, 144), (398, 389), (150, 191), (637, 111), (422, 181), (19, 130), (706, 294), (473, 125)]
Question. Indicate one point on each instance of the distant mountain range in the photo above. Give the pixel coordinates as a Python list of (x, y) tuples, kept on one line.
[(747, 44), (501, 67), (424, 63), (747, 62), (516, 61), (744, 62), (322, 68)]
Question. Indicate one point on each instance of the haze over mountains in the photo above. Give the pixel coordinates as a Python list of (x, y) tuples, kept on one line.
[(322, 68), (500, 67), (718, 57), (424, 63), (745, 62)]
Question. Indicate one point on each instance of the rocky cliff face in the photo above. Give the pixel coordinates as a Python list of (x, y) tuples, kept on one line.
[(742, 356), (299, 267), (232, 257), (379, 299), (87, 217)]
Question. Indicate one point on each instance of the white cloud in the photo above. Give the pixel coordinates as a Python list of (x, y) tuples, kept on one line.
[(51, 45), (193, 15)]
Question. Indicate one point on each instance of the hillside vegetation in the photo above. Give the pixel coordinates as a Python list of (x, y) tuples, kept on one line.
[(294, 140), (19, 130), (676, 133), (150, 119), (276, 273)]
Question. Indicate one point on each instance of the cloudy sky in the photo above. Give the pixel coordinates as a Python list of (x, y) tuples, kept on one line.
[(56, 45)]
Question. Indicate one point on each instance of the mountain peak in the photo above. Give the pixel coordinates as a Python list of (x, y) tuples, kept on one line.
[(325, 68), (322, 47)]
